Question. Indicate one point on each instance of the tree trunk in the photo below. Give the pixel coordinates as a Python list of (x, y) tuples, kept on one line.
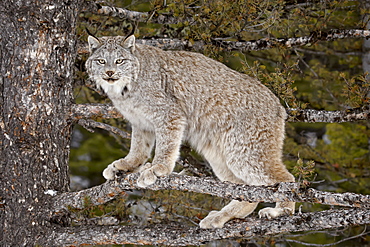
[(36, 57)]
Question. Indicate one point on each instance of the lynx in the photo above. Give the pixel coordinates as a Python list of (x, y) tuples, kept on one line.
[(233, 120)]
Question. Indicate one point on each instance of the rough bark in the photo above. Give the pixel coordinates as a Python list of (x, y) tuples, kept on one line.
[(317, 116), (280, 192), (93, 111), (314, 37), (37, 53), (175, 235)]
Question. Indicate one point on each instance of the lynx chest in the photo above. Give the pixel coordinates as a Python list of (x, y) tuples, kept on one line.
[(133, 110)]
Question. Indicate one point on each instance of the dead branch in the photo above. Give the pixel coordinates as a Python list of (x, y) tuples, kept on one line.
[(316, 116), (133, 16), (94, 111), (268, 43), (89, 124), (180, 235), (280, 192), (254, 45)]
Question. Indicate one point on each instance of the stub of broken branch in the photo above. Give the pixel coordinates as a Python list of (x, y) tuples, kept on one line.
[(277, 193)]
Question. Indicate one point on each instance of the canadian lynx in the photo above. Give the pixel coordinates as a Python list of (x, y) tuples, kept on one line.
[(233, 120)]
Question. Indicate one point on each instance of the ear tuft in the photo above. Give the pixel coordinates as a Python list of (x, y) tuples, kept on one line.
[(94, 43), (129, 43)]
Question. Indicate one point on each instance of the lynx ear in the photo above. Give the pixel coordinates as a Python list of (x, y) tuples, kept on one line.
[(94, 43), (129, 43)]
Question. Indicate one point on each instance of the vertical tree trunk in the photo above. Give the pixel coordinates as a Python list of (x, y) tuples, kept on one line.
[(37, 52)]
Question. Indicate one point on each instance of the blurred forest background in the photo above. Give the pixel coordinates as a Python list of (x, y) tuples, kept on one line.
[(330, 75)]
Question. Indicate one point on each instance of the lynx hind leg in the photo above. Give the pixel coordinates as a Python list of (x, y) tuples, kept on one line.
[(281, 209), (235, 209)]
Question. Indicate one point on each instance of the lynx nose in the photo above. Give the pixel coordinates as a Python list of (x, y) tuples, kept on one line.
[(110, 73)]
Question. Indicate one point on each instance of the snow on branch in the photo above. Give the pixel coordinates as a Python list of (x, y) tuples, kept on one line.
[(93, 111), (276, 193), (181, 235)]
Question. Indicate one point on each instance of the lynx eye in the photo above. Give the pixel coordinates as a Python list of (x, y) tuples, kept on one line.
[(101, 61), (119, 61)]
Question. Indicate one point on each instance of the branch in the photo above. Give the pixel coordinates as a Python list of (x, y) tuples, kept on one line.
[(280, 192), (316, 116), (89, 124), (269, 43), (175, 235), (133, 16), (94, 111)]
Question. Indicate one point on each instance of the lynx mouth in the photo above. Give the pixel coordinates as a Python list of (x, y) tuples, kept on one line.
[(110, 80)]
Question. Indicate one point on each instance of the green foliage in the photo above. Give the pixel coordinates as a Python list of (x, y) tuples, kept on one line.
[(304, 170)]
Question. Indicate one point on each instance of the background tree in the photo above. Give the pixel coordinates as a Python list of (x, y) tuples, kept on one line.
[(291, 46)]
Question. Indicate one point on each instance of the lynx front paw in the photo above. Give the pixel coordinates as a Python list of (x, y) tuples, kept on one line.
[(149, 174), (122, 165), (109, 173), (215, 219), (271, 213)]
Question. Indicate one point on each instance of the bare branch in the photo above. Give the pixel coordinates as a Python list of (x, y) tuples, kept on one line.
[(88, 124), (87, 111), (176, 235), (94, 111), (314, 37), (262, 44), (280, 192), (316, 116), (133, 16)]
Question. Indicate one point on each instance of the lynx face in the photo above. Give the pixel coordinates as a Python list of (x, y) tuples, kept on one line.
[(112, 64)]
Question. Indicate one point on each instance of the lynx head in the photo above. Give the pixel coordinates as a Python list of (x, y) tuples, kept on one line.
[(112, 64)]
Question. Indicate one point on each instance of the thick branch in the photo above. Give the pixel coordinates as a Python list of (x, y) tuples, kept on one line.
[(94, 111), (314, 37), (316, 116), (175, 235), (280, 192), (255, 45)]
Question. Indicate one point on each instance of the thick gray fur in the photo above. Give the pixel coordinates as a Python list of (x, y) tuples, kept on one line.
[(169, 97)]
